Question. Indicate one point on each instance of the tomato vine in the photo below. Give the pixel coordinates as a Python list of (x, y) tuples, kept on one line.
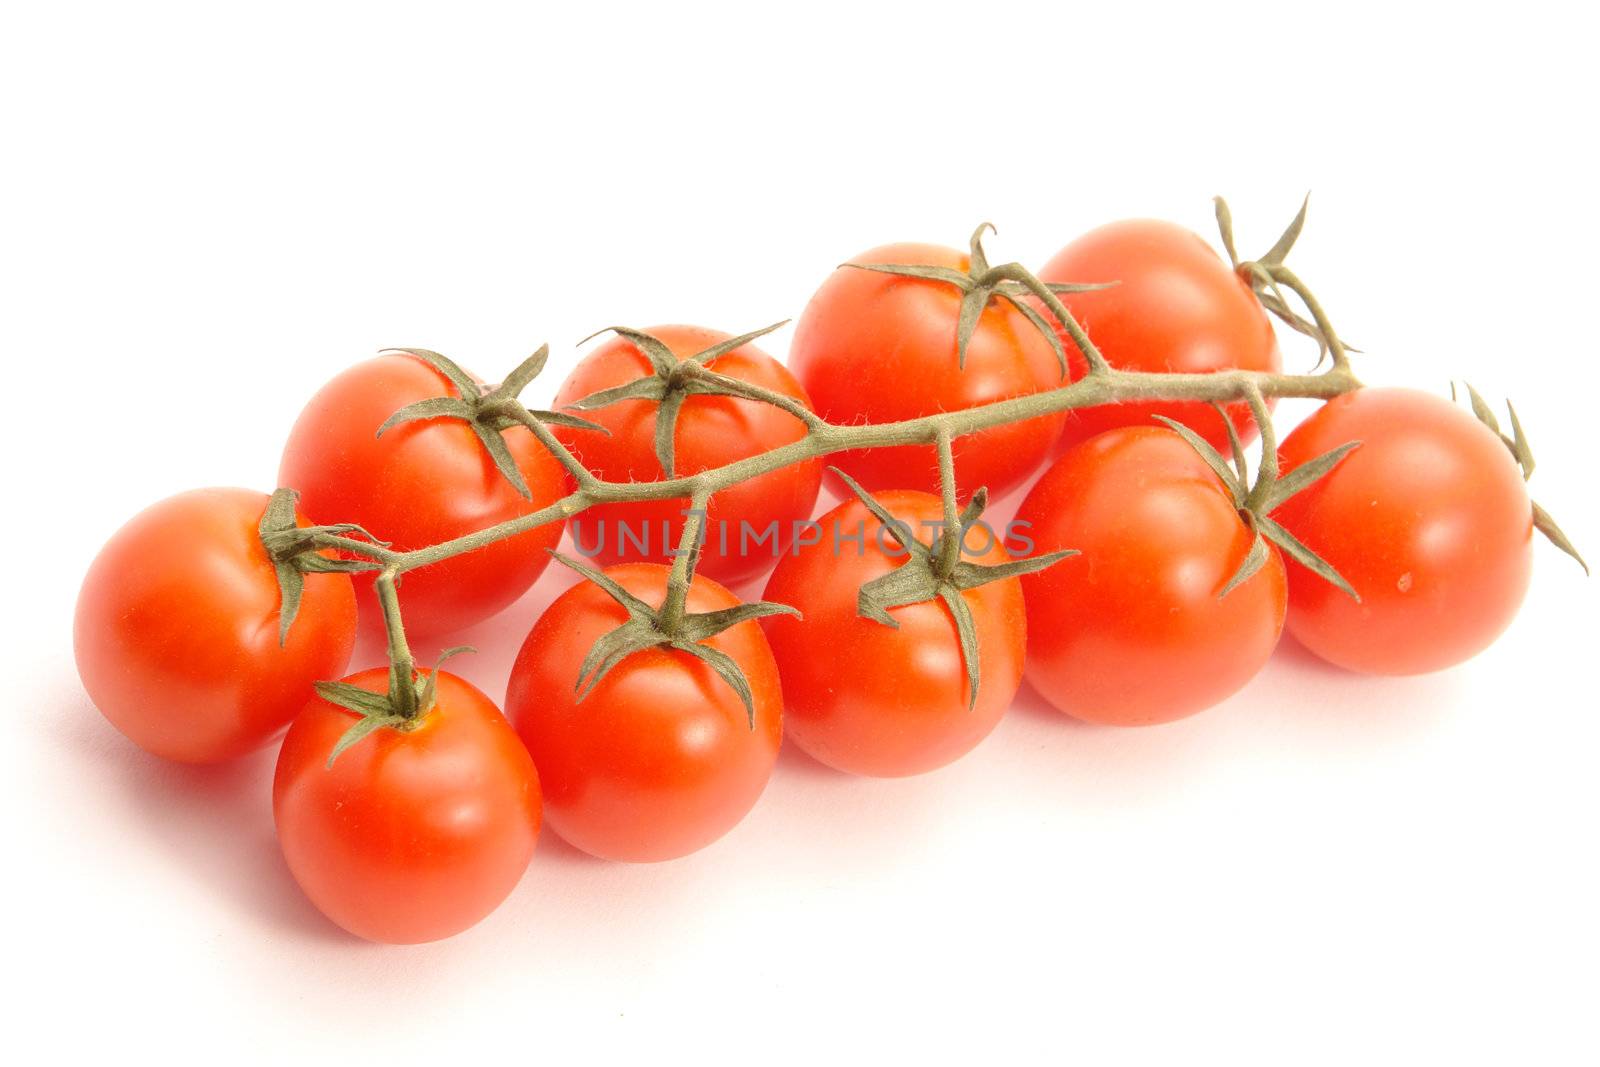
[(935, 570)]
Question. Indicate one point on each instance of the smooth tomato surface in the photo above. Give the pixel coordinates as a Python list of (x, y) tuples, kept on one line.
[(711, 431), (870, 699), (1429, 520), (874, 348), (1177, 306), (1132, 631), (411, 835), (176, 632), (419, 484), (659, 759)]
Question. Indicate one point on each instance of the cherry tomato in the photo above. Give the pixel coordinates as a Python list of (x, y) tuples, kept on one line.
[(176, 633), (711, 431), (1429, 521), (870, 699), (874, 347), (659, 759), (1133, 630), (419, 484), (1177, 306), (411, 835)]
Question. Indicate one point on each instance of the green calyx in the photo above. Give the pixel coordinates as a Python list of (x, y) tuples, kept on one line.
[(296, 551), (1268, 277), (409, 699), (1010, 282), (1517, 442), (490, 412), (1257, 502), (675, 378), (648, 627), (937, 571)]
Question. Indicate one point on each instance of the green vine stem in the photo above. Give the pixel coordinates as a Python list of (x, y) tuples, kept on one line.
[(410, 694), (1267, 476), (685, 557), (402, 664), (1105, 386), (949, 543)]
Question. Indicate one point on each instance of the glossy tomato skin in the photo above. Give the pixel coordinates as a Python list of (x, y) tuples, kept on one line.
[(874, 348), (659, 759), (1177, 306), (711, 431), (410, 836), (1429, 520), (870, 699), (419, 484), (176, 631), (1132, 632)]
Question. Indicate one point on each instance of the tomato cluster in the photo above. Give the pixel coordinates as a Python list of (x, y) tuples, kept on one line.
[(1143, 580)]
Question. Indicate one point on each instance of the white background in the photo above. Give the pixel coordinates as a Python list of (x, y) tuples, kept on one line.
[(210, 210)]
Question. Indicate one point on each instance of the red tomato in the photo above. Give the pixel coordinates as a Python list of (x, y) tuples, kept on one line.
[(176, 634), (870, 699), (1133, 631), (1429, 520), (411, 835), (711, 431), (1177, 306), (874, 347), (659, 759), (419, 484)]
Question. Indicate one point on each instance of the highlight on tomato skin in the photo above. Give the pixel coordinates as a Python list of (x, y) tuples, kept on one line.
[(410, 835), (176, 631), (1430, 521), (419, 484), (870, 699), (659, 759), (1133, 631), (872, 348), (711, 431), (1176, 306)]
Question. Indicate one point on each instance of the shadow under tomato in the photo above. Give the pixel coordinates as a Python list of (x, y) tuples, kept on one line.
[(794, 762), (214, 821), (1332, 706)]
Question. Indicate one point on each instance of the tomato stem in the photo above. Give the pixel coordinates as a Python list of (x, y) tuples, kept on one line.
[(1109, 387), (673, 608), (1267, 474), (402, 665), (949, 543)]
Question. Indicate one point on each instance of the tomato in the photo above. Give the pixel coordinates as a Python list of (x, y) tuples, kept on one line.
[(419, 484), (711, 431), (874, 347), (411, 835), (871, 699), (1133, 631), (177, 636), (1429, 520), (659, 759), (1176, 306)]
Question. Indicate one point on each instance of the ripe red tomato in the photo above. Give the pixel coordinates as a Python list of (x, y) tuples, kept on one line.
[(870, 699), (711, 431), (419, 484), (659, 759), (1429, 520), (1177, 306), (411, 835), (1133, 631), (874, 348), (176, 632)]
